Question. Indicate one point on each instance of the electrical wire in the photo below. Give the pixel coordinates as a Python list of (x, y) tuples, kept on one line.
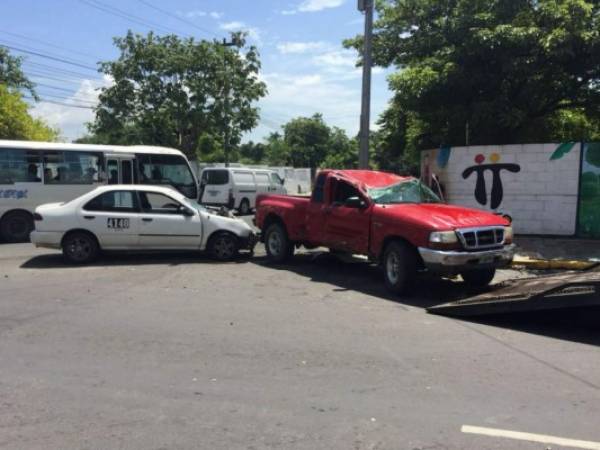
[(175, 16), (47, 44), (60, 103), (46, 56)]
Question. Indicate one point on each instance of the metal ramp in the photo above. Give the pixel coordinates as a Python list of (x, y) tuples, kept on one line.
[(549, 292)]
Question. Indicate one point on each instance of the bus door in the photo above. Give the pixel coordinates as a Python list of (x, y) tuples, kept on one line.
[(119, 169)]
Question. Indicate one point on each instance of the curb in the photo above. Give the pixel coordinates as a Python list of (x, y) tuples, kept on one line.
[(552, 264)]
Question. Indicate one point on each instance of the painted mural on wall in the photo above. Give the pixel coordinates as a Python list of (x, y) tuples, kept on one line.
[(536, 184), (589, 198), (495, 168)]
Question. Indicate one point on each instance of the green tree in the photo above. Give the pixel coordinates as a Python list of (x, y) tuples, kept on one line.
[(252, 153), (12, 75), (173, 92), (504, 71), (308, 139), (16, 122), (342, 152), (277, 151)]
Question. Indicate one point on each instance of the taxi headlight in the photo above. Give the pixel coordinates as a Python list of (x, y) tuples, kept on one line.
[(508, 235)]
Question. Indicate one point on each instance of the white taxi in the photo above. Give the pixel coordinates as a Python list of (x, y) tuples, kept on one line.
[(137, 217)]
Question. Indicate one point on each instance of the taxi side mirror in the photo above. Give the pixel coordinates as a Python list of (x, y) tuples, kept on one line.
[(186, 211)]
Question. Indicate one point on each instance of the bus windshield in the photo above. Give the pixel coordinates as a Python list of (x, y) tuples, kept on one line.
[(408, 191), (170, 170)]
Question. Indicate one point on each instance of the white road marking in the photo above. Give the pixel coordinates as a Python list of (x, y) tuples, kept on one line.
[(542, 438)]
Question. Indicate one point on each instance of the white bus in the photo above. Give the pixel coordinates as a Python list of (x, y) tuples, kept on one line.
[(34, 173)]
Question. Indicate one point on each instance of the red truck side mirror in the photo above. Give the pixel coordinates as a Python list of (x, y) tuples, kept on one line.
[(355, 202)]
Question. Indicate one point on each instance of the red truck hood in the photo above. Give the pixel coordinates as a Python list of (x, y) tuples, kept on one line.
[(439, 216)]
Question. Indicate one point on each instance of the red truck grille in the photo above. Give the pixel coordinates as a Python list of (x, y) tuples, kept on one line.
[(481, 238)]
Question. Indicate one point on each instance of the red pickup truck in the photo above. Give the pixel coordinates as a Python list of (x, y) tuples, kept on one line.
[(396, 221)]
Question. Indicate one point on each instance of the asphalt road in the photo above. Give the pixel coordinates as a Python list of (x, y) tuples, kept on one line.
[(178, 352)]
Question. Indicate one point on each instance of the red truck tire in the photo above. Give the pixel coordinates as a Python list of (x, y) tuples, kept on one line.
[(478, 278), (399, 267), (278, 245)]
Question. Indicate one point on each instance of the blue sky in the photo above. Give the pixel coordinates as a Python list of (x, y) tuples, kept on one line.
[(304, 64)]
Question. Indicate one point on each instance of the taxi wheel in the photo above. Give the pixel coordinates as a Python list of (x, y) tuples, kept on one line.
[(399, 267), (16, 226), (478, 278), (223, 246), (80, 248)]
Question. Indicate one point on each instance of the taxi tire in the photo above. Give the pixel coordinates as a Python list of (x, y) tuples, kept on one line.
[(223, 246), (399, 267), (16, 226), (478, 278), (284, 249), (80, 247)]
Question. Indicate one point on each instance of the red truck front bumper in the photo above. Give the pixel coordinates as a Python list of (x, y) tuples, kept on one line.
[(453, 262)]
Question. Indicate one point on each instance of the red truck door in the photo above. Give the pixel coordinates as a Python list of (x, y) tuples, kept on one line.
[(347, 224), (315, 213)]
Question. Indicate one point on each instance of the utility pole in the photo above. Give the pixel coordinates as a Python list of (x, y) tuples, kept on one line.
[(366, 6), (226, 44)]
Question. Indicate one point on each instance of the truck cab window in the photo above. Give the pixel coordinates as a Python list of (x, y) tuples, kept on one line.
[(318, 191), (344, 191)]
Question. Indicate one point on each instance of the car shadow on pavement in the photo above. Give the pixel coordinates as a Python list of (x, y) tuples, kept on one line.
[(361, 276), (55, 261), (570, 325)]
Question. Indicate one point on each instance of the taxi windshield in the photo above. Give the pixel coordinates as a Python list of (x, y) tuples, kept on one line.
[(408, 191)]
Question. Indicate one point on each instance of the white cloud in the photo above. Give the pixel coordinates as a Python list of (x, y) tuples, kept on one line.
[(70, 117), (336, 59), (301, 47), (194, 14), (253, 32), (313, 6)]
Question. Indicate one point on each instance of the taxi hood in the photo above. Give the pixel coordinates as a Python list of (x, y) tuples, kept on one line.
[(439, 216)]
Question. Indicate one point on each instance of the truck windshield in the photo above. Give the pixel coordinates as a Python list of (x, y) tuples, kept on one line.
[(409, 191)]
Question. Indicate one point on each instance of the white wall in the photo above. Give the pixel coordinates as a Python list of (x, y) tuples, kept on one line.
[(541, 198)]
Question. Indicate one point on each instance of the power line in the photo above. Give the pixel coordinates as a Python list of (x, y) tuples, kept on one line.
[(54, 87), (175, 16), (127, 16), (47, 44), (60, 70), (62, 97), (35, 74), (70, 105), (53, 58)]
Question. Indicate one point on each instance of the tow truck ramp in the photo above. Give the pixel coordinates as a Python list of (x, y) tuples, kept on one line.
[(549, 292)]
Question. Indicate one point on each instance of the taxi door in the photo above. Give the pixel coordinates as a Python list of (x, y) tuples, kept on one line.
[(165, 225), (114, 218)]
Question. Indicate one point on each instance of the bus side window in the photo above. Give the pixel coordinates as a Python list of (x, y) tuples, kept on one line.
[(72, 167), (20, 166)]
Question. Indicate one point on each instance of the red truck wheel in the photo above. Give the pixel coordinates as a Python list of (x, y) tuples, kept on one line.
[(399, 267), (479, 277), (278, 246)]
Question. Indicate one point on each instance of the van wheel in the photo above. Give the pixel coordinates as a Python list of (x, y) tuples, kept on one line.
[(80, 248), (479, 277), (399, 267), (16, 226), (223, 246), (244, 208), (278, 246)]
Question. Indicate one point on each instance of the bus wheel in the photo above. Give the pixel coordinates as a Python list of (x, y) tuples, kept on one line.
[(16, 226)]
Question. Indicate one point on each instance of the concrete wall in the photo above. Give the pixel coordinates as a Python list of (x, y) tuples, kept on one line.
[(541, 196)]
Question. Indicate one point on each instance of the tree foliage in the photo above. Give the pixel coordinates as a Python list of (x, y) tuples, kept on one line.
[(503, 71), (16, 122), (179, 93), (11, 74)]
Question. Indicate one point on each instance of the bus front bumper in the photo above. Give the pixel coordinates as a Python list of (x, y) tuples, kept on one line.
[(47, 239)]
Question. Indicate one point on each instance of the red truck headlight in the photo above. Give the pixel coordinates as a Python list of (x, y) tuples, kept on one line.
[(508, 235), (444, 240)]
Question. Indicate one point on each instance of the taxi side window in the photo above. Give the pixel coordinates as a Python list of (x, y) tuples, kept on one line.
[(114, 201), (155, 203)]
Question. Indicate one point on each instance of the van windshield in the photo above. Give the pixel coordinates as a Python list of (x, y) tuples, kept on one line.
[(408, 191)]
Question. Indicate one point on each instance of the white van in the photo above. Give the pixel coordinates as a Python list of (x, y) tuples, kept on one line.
[(237, 187)]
